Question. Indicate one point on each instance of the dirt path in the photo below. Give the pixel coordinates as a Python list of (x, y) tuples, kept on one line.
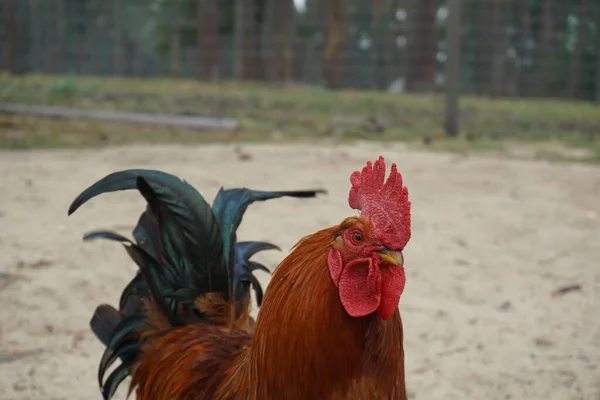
[(491, 240)]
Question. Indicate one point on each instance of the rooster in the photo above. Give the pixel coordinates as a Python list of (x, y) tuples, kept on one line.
[(329, 326)]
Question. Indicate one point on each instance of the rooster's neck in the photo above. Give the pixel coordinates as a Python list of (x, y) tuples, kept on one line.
[(383, 363), (306, 345)]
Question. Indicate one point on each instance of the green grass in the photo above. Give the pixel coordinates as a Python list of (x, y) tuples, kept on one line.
[(292, 113)]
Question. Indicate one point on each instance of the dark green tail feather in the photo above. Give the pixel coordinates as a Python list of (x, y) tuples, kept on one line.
[(245, 250), (155, 272), (130, 302), (122, 334), (123, 180), (244, 268), (104, 321), (254, 266), (230, 205), (190, 235), (147, 234), (114, 380), (187, 223), (183, 249)]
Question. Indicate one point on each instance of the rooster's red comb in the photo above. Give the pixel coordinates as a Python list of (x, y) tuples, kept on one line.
[(386, 203)]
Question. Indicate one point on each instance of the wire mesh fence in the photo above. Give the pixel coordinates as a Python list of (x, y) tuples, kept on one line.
[(517, 48)]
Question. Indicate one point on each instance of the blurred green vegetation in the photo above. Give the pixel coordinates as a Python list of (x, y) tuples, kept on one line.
[(294, 112)]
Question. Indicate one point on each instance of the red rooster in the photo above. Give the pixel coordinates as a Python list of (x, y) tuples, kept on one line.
[(329, 326)]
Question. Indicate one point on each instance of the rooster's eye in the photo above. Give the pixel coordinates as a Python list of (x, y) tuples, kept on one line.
[(357, 237)]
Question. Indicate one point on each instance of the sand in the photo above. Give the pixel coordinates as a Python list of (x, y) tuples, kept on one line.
[(492, 239)]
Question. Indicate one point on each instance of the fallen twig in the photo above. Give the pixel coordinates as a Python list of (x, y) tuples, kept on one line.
[(566, 289)]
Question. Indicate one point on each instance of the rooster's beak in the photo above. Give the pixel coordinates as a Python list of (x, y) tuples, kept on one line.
[(392, 257)]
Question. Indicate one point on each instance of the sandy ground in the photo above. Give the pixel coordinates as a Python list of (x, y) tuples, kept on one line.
[(492, 239)]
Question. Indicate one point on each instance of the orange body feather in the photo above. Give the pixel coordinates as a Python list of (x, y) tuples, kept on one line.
[(304, 345)]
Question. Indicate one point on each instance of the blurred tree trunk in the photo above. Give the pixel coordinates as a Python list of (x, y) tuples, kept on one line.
[(289, 41), (422, 48), (82, 29), (311, 21), (56, 49), (277, 39), (485, 44), (493, 75), (575, 68), (10, 35), (375, 29), (335, 38), (118, 42), (597, 19), (499, 47), (207, 39), (36, 62), (175, 62), (452, 68), (523, 14), (313, 11), (246, 40), (390, 47), (546, 42)]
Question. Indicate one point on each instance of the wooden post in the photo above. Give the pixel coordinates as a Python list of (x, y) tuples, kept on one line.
[(452, 68)]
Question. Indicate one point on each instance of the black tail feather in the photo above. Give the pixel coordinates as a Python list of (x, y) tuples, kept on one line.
[(245, 250), (184, 248), (104, 321), (230, 205), (122, 335), (130, 302), (114, 380), (147, 235), (191, 236)]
